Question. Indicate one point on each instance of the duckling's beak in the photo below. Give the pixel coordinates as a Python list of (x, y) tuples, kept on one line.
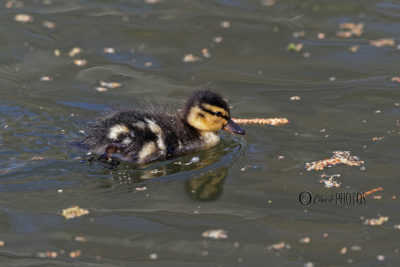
[(233, 128)]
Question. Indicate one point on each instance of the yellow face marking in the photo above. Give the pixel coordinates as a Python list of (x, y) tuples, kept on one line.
[(147, 149), (205, 121), (216, 109), (116, 130)]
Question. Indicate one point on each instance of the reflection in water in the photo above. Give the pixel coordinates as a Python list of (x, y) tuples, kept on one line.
[(202, 175), (208, 187), (203, 187)]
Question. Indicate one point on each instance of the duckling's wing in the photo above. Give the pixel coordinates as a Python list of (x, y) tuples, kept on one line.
[(131, 135)]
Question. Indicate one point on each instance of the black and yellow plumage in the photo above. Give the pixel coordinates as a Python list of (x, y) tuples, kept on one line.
[(148, 135)]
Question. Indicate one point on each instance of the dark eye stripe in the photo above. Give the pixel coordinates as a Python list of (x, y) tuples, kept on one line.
[(218, 114)]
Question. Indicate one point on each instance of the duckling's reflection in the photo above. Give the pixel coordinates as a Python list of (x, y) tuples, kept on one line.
[(208, 187)]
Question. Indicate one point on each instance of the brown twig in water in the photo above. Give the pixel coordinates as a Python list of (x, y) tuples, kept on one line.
[(269, 121), (339, 157), (373, 191)]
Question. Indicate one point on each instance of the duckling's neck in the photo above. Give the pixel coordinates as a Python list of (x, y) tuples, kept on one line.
[(193, 139), (209, 138)]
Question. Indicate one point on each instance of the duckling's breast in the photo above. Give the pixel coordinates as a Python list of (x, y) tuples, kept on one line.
[(210, 139)]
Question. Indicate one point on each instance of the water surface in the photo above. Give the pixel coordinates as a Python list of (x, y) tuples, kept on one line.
[(248, 186)]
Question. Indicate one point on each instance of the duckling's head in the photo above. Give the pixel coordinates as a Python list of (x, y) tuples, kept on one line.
[(206, 110)]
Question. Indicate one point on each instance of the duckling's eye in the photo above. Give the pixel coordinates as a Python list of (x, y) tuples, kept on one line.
[(219, 114)]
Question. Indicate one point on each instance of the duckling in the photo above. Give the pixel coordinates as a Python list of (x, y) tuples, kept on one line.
[(144, 136)]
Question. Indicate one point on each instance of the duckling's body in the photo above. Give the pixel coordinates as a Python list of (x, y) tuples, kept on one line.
[(145, 136)]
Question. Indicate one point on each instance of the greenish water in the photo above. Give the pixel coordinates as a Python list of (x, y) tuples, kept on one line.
[(242, 185)]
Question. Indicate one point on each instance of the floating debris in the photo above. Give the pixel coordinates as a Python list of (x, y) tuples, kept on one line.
[(344, 34), (75, 51), (305, 240), (299, 34), (49, 24), (309, 264), (351, 29), (278, 246), (152, 1), (109, 50), (343, 250), (190, 58), (295, 98), (23, 18), (378, 138), (225, 24), (37, 158), (153, 256), (382, 42), (280, 157), (110, 85), (217, 39), (57, 52), (48, 254), (46, 79), (356, 248), (354, 48), (2, 243), (267, 2), (155, 171), (339, 157), (80, 239), (373, 191), (80, 62), (75, 254), (332, 79), (397, 226), (396, 79), (148, 64), (269, 121), (330, 182), (101, 89), (74, 212), (13, 3), (252, 167), (294, 47), (215, 234), (321, 35), (192, 160), (143, 188), (380, 258), (376, 221), (205, 52)]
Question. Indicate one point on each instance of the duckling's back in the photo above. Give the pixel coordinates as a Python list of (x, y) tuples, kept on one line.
[(138, 135)]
